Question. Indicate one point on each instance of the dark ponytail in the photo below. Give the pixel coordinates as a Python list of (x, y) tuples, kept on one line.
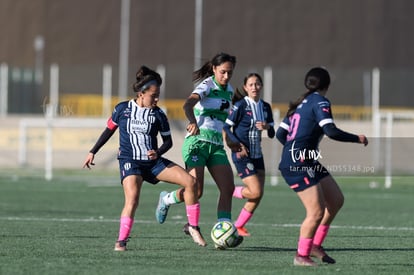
[(207, 69), (238, 94), (316, 79)]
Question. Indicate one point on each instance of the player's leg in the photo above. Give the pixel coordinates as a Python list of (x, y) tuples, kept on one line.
[(334, 200), (177, 175), (194, 158), (253, 192), (198, 174), (312, 200), (223, 177), (132, 188), (166, 199)]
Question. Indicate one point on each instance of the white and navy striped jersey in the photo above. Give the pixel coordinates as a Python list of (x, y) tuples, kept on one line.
[(138, 129), (243, 117)]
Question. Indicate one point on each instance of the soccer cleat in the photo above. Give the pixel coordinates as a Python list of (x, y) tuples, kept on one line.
[(194, 232), (185, 229), (162, 209), (319, 252), (303, 261), (242, 231), (121, 245)]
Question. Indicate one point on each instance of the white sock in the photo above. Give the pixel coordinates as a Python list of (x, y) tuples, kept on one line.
[(171, 198)]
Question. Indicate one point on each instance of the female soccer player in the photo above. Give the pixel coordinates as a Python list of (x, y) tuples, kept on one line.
[(307, 120), (139, 121), (248, 117), (207, 109)]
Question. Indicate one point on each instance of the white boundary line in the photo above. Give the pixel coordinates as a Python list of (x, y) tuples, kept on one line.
[(99, 219)]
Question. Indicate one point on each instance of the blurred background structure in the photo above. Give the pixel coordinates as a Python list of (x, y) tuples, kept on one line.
[(76, 59), (350, 38)]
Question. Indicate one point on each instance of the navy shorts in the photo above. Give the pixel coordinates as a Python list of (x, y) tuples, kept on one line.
[(246, 166), (148, 169), (301, 177)]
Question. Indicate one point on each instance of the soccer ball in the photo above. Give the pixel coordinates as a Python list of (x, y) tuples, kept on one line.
[(224, 234)]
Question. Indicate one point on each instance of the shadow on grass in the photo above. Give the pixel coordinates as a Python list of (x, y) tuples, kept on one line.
[(279, 249), (371, 249)]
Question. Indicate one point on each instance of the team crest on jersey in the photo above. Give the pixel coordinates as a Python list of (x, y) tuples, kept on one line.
[(194, 158), (127, 112), (127, 166), (151, 119), (311, 172), (250, 166)]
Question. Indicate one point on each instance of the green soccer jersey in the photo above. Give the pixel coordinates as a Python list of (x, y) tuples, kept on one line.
[(212, 109)]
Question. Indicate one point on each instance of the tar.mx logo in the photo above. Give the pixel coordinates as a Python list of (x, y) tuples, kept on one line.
[(304, 154)]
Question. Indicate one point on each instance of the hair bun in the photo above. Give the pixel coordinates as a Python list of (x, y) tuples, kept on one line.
[(145, 75)]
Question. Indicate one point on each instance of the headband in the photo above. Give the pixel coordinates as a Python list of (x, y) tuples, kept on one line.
[(149, 83)]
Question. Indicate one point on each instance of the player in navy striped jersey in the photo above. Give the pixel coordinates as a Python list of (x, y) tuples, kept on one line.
[(307, 120), (140, 121), (248, 117)]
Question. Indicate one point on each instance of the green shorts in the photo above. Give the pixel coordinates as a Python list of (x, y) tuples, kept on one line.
[(201, 153)]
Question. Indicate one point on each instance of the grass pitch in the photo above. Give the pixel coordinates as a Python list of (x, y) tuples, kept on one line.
[(70, 224)]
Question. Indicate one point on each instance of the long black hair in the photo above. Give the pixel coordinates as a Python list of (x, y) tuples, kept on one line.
[(316, 79), (207, 69)]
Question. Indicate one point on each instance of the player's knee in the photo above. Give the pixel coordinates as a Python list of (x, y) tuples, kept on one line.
[(316, 215), (189, 183), (253, 193), (256, 194)]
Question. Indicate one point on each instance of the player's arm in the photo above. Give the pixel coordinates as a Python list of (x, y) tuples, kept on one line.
[(282, 131), (271, 132), (270, 123), (281, 135), (231, 140), (335, 133), (166, 145), (103, 138), (324, 114), (189, 104), (110, 129)]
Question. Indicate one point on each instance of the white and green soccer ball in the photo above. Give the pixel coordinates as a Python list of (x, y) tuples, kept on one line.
[(224, 234)]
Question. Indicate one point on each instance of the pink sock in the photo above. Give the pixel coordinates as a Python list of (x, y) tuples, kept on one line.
[(320, 234), (304, 246), (125, 227), (193, 213), (238, 192), (243, 218)]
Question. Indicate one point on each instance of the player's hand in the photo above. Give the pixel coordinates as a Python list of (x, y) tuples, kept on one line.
[(152, 154), (89, 161), (242, 152), (234, 146), (363, 139), (192, 129), (261, 125)]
